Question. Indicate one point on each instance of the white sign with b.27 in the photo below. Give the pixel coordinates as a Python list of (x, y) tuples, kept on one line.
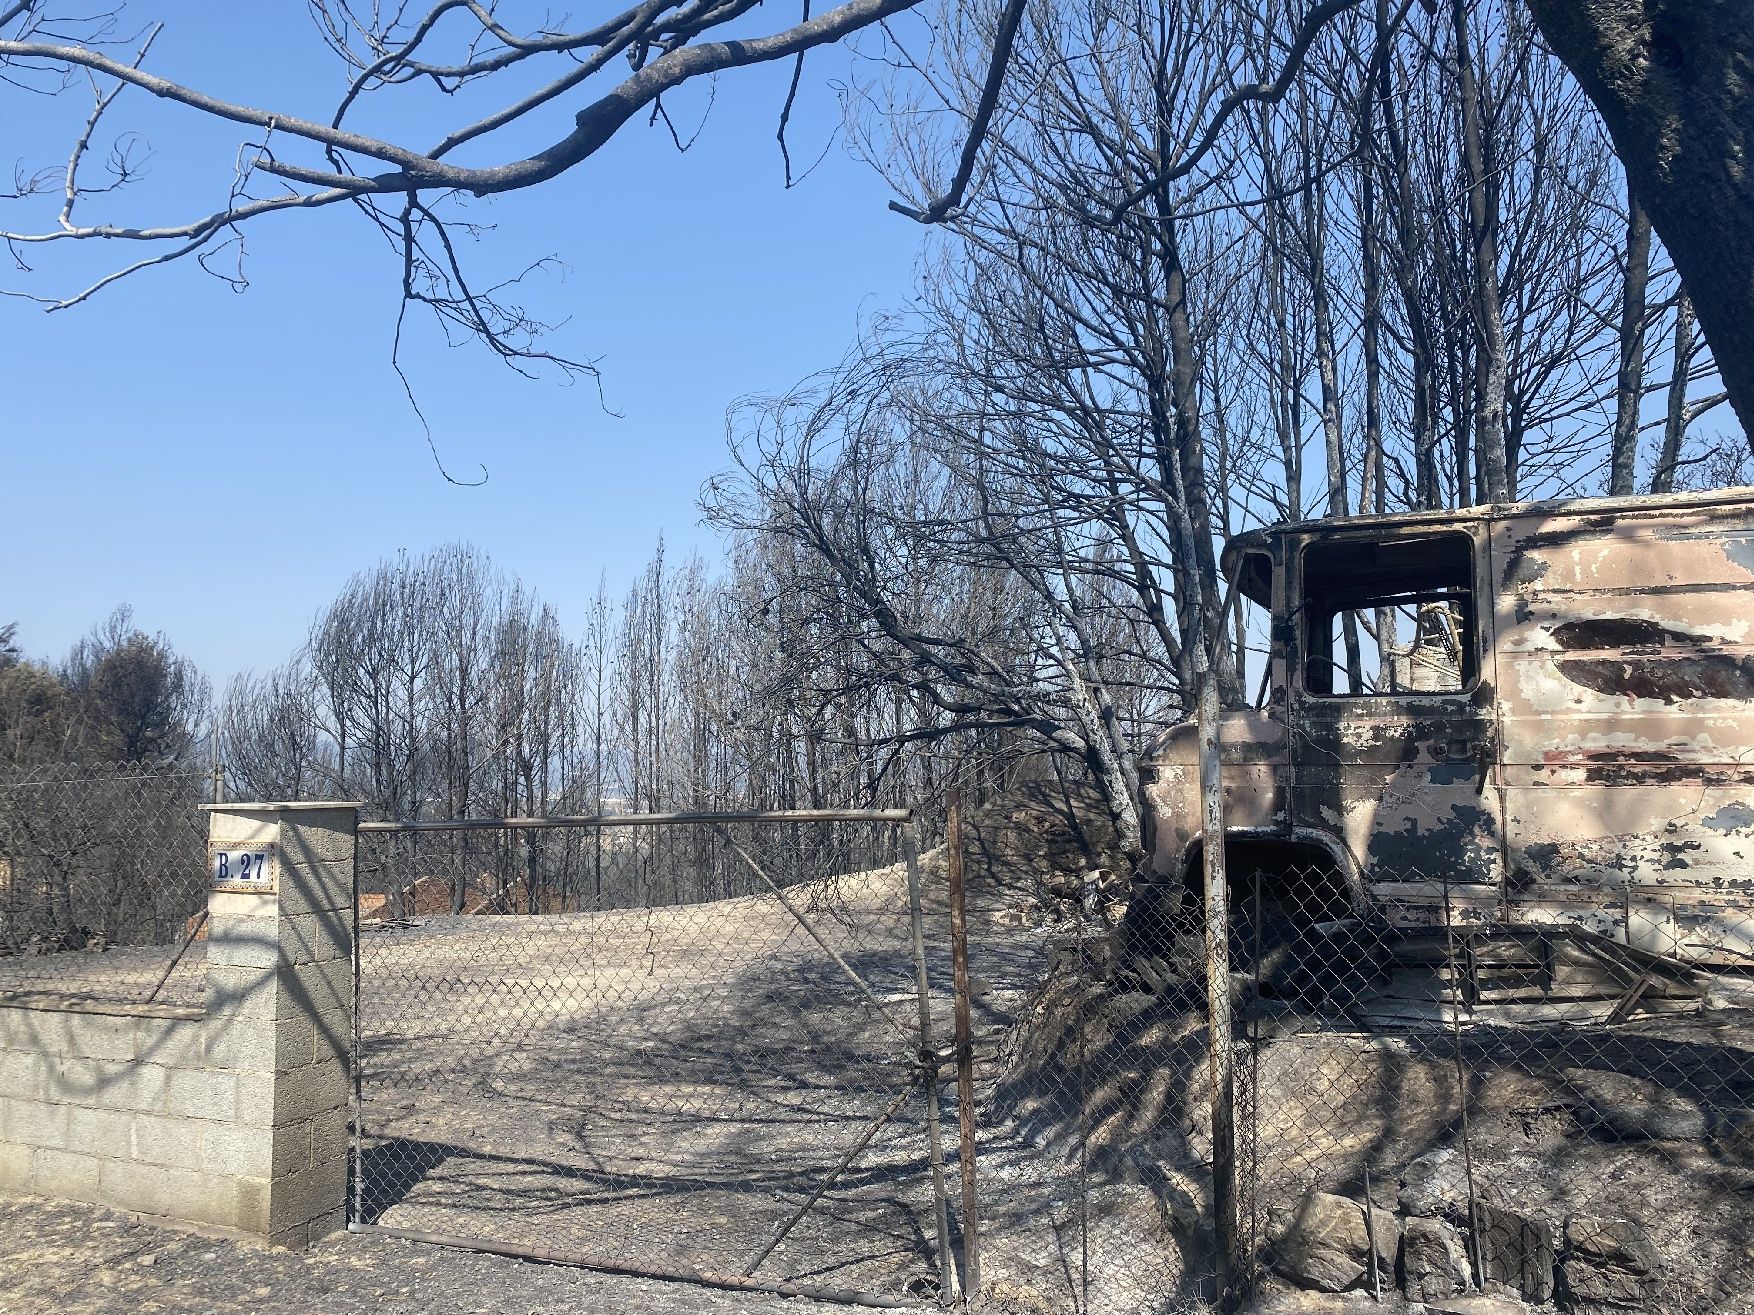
[(242, 865)]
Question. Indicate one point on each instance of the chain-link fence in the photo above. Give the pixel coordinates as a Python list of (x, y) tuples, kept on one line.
[(689, 1045), (1453, 1090), (1549, 1098), (102, 892), (1093, 1099)]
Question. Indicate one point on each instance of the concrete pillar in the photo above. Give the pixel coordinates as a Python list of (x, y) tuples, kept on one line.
[(280, 1009)]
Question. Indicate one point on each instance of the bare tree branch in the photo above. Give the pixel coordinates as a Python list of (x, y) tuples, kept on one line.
[(936, 212)]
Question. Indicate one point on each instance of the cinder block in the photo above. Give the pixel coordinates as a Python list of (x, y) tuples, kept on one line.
[(313, 1089), (22, 1074), (331, 1135), (316, 988), (173, 1142), (296, 1238), (309, 1194), (308, 838), (255, 1099), (334, 1037), (101, 1036), (315, 887), (243, 824), (65, 1174), (101, 1132), (200, 1094), (259, 1045), (240, 1045), (33, 1123), (84, 1081), (222, 904), (301, 1236), (253, 1197), (318, 937), (15, 1167), (40, 1031), (211, 1199), (109, 1084), (172, 1042), (176, 1193), (252, 942), (323, 1225), (238, 1150), (241, 992), (292, 1148)]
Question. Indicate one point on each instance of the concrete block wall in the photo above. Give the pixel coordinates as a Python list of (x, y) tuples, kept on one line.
[(235, 1114)]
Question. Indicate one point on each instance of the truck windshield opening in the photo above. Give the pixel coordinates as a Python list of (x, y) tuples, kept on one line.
[(1386, 617)]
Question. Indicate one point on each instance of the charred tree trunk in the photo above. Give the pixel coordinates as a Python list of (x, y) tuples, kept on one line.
[(1490, 367), (1662, 479), (1399, 195), (1671, 79), (1623, 459)]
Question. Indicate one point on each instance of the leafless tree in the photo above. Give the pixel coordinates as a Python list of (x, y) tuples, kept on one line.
[(494, 74)]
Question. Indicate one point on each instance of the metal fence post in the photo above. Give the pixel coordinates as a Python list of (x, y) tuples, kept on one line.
[(1476, 1254), (971, 1225), (1218, 1015), (356, 1124), (929, 1060)]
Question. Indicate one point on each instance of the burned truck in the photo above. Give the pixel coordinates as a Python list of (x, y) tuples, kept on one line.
[(1525, 716)]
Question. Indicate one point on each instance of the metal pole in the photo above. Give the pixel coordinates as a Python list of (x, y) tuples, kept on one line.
[(929, 1062), (1251, 1243), (965, 1113), (1370, 1238), (356, 1134), (643, 820), (531, 872), (195, 926), (1449, 935), (1218, 1016), (1083, 999)]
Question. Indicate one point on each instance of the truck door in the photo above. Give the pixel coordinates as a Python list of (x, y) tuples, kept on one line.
[(1392, 727)]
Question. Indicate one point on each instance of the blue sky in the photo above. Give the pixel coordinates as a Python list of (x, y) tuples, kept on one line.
[(223, 462)]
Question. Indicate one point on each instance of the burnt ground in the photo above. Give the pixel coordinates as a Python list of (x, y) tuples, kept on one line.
[(83, 1260), (1651, 1121), (668, 1087)]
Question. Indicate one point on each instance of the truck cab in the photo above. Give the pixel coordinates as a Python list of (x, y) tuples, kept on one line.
[(1511, 715)]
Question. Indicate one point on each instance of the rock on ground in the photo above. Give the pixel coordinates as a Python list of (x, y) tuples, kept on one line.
[(1436, 1184), (1434, 1260), (1608, 1267), (1516, 1251), (1327, 1246)]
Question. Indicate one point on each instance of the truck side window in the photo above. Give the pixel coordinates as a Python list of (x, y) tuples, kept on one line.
[(1389, 616), (1253, 639)]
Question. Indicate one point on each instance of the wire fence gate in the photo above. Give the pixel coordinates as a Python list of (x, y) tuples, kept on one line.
[(683, 1045)]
